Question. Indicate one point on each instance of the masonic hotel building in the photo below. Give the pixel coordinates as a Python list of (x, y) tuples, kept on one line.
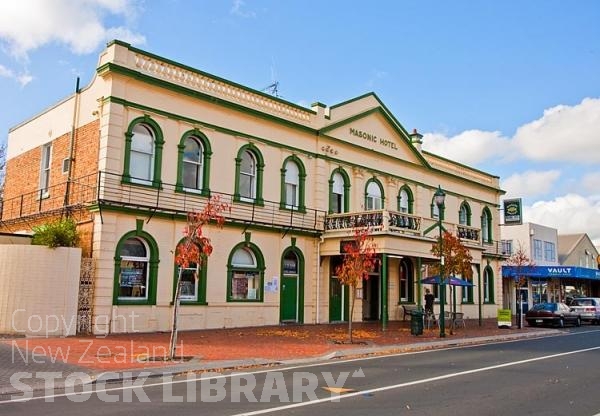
[(149, 140)]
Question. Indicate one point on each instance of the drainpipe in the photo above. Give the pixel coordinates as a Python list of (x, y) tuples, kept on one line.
[(321, 240), (72, 143)]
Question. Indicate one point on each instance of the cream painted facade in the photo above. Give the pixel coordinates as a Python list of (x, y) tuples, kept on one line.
[(353, 162)]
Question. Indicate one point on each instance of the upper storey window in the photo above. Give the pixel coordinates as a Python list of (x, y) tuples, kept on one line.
[(374, 196)]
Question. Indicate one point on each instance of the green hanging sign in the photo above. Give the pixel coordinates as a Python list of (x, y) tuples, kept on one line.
[(513, 212)]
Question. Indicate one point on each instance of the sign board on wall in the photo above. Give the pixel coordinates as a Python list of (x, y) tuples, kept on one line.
[(513, 211)]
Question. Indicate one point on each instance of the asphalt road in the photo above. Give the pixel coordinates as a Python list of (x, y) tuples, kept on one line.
[(557, 375)]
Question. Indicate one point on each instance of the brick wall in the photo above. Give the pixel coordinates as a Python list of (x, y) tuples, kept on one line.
[(21, 192), (23, 209)]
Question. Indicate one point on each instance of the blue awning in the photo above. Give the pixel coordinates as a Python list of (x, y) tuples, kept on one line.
[(548, 272)]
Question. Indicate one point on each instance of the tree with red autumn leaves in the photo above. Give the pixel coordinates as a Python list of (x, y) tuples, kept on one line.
[(359, 259), (457, 259), (195, 249), (520, 261)]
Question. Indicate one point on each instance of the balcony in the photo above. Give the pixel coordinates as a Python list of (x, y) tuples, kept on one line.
[(396, 223), (381, 221), (105, 190)]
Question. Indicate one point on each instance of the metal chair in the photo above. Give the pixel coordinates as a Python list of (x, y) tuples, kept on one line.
[(429, 319), (458, 319)]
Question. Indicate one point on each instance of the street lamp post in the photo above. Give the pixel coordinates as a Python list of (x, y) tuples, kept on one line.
[(439, 198)]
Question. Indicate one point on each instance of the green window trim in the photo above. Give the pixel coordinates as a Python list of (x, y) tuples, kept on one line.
[(152, 269), (202, 283), (300, 206), (411, 198), (488, 271), (260, 166), (410, 278), (206, 159), (381, 189), (486, 225), (346, 201), (158, 149), (260, 269), (467, 209), (300, 257)]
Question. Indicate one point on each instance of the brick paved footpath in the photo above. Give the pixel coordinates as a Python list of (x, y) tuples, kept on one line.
[(226, 348)]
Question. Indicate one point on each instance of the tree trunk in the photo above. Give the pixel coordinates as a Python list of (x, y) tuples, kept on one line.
[(351, 300), (173, 341)]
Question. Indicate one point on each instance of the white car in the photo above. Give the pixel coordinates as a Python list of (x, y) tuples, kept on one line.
[(588, 309)]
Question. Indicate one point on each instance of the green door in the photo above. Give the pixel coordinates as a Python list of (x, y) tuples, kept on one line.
[(289, 299), (338, 301)]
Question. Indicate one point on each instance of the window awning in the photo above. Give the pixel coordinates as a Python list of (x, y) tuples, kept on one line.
[(548, 272)]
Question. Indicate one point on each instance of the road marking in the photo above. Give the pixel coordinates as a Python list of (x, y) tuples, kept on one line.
[(412, 383), (316, 364)]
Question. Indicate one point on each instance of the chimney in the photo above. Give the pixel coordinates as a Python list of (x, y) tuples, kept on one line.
[(416, 139)]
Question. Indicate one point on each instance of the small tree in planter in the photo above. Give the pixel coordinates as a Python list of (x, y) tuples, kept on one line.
[(521, 263), (59, 233), (195, 249), (359, 260)]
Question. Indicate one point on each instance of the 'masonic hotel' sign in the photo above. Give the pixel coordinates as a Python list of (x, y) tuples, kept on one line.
[(373, 138)]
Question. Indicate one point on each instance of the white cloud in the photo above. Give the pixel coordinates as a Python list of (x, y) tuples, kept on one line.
[(530, 183), (28, 25), (563, 133), (569, 214), (469, 147), (236, 9), (5, 72), (23, 78)]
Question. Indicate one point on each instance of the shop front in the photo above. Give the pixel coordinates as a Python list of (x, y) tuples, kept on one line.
[(551, 283)]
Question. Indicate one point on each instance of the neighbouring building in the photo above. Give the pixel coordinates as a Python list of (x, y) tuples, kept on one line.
[(562, 266), (150, 139)]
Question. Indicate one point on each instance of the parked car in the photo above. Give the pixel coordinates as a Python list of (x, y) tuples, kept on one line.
[(587, 308), (552, 313)]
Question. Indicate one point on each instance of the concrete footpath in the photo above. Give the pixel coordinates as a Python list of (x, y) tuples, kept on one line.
[(37, 363)]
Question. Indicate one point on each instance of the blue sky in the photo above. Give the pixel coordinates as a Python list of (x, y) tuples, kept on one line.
[(509, 87)]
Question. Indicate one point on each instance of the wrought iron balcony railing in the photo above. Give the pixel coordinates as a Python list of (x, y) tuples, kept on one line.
[(379, 221), (107, 189)]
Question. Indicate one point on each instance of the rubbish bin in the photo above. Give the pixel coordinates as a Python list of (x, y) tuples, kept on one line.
[(416, 322)]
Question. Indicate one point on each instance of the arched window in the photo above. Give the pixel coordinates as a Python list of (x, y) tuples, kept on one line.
[(142, 154), (249, 168), (246, 274), (374, 196), (193, 163), (464, 214), (405, 200), (248, 176), (193, 156), (486, 226), (406, 282), (136, 261), (339, 186), (143, 150), (488, 285), (292, 184)]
